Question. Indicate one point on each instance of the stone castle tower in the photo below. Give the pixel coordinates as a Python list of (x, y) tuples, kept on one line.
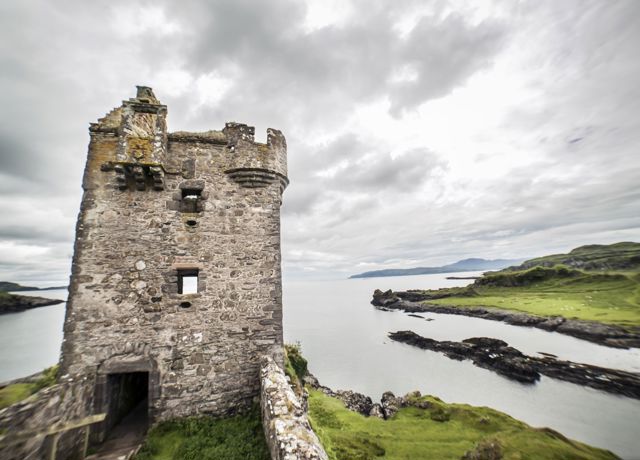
[(176, 284)]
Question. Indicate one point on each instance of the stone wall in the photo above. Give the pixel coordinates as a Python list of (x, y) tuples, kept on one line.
[(286, 426), (59, 404), (138, 234)]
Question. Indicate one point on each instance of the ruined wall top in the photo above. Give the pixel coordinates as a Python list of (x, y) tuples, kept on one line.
[(143, 142)]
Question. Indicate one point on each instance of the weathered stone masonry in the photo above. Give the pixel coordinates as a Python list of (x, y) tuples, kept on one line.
[(286, 426), (159, 209)]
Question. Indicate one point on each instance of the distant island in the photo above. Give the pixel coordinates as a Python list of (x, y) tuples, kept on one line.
[(12, 303), (466, 265), (8, 286)]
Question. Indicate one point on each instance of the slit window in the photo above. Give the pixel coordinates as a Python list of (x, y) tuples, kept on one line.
[(187, 281), (191, 198)]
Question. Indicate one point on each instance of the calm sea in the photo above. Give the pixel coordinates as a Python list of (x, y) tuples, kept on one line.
[(345, 339)]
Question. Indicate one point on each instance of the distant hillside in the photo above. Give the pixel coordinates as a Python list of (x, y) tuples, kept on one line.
[(8, 286), (466, 265), (618, 256)]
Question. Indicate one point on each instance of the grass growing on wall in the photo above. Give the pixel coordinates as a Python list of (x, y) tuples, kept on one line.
[(12, 394), (440, 432), (612, 298), (295, 366), (206, 438)]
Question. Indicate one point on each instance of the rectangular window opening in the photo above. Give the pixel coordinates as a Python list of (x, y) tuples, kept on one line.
[(187, 281), (191, 199)]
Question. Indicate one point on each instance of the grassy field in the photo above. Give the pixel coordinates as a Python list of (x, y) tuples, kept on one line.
[(206, 438), (612, 298), (440, 432), (11, 394)]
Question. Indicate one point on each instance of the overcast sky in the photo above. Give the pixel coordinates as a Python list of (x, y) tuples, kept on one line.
[(419, 132)]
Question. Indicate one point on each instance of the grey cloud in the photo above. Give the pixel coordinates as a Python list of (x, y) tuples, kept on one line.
[(301, 198), (350, 200), (444, 55), (380, 172), (362, 167), (331, 68)]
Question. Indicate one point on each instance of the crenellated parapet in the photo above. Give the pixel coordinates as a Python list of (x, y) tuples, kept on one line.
[(132, 140), (253, 164)]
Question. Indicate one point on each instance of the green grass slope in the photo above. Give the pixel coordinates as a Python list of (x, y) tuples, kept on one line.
[(16, 392), (612, 297), (618, 256), (206, 438), (440, 432)]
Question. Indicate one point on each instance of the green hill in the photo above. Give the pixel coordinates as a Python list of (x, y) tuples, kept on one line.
[(612, 298), (595, 282), (618, 256)]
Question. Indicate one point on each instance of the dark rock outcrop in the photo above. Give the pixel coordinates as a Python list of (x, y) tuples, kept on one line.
[(376, 411), (498, 356), (11, 303), (357, 402), (486, 449), (353, 401), (389, 297), (592, 331), (382, 299), (390, 404)]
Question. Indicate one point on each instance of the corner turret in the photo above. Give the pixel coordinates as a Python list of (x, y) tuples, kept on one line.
[(253, 164)]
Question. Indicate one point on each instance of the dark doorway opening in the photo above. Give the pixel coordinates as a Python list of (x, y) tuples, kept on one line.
[(126, 392), (126, 403)]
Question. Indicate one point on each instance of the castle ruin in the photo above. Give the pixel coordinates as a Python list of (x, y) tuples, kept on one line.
[(175, 301), (176, 286)]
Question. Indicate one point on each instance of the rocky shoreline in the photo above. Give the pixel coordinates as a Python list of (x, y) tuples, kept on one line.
[(12, 303), (496, 355), (434, 408), (602, 334), (357, 402)]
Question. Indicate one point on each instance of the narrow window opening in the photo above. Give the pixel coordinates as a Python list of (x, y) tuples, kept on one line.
[(191, 200), (187, 281)]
